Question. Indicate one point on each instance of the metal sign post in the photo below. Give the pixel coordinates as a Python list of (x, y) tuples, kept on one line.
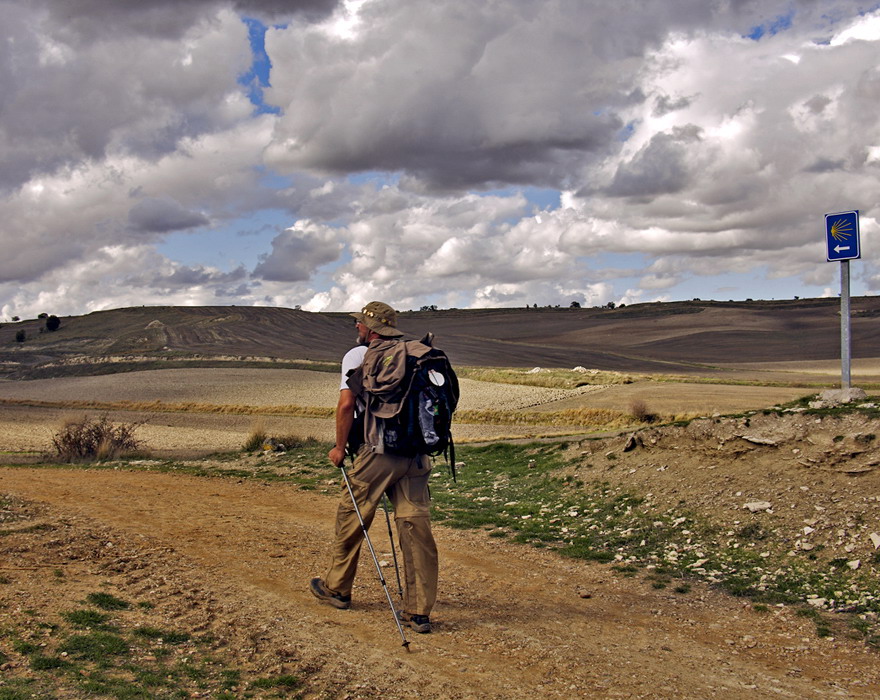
[(845, 350), (842, 243)]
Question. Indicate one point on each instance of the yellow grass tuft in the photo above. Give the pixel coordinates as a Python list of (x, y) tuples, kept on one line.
[(548, 378), (575, 417), (181, 407)]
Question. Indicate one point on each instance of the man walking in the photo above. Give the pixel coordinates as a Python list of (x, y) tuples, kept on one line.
[(374, 472)]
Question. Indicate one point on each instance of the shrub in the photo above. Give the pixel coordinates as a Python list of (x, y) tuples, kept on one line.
[(53, 323), (20, 336), (86, 439), (640, 412)]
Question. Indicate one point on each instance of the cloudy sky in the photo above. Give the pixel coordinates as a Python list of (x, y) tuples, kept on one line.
[(320, 154)]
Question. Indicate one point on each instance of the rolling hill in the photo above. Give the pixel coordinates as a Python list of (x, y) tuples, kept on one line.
[(674, 337)]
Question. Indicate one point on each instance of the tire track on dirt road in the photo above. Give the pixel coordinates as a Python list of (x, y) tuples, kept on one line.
[(511, 621)]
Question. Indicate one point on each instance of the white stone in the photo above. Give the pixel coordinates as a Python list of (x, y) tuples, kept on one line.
[(854, 564), (838, 396), (757, 440), (875, 539), (758, 506)]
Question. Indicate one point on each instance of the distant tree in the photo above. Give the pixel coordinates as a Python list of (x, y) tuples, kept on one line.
[(16, 319), (53, 323), (20, 336), (574, 305), (610, 305), (432, 307), (43, 315)]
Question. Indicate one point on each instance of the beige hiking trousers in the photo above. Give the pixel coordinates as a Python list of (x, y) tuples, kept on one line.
[(405, 480)]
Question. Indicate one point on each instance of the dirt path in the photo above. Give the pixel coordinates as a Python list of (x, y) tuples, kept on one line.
[(511, 621)]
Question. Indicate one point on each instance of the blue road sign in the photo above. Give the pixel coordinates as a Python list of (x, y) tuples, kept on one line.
[(842, 236)]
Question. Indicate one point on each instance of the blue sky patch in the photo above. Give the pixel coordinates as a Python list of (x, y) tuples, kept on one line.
[(257, 77), (774, 26)]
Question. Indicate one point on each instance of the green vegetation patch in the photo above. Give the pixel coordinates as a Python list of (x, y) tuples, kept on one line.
[(87, 619), (79, 654), (107, 601), (532, 494)]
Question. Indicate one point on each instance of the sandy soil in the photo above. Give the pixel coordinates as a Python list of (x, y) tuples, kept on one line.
[(234, 559)]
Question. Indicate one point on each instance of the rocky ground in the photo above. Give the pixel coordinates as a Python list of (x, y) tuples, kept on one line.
[(810, 482)]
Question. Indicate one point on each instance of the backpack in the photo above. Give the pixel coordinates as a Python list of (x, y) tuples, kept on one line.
[(409, 393)]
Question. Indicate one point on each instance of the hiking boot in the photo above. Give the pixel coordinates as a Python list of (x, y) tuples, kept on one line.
[(417, 623), (321, 592)]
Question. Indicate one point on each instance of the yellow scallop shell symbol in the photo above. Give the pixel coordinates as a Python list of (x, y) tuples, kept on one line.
[(841, 230)]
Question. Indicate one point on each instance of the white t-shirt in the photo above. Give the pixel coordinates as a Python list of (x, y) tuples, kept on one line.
[(353, 359)]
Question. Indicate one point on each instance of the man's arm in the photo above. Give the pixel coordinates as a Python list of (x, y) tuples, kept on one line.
[(344, 421)]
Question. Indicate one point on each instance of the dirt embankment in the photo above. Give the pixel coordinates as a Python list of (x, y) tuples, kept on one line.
[(233, 559)]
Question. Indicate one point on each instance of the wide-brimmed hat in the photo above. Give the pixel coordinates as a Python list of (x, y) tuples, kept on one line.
[(380, 318)]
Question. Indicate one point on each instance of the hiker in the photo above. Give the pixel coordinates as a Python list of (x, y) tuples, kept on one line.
[(374, 472)]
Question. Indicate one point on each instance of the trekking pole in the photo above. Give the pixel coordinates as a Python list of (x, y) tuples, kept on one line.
[(393, 550), (375, 558)]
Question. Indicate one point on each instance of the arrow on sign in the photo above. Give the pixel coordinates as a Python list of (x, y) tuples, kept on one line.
[(838, 248)]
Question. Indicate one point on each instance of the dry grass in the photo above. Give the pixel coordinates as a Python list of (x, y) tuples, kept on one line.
[(548, 378), (259, 439), (180, 407), (600, 418)]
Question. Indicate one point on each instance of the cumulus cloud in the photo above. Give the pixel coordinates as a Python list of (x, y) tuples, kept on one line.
[(114, 277), (65, 104), (88, 20), (416, 142), (298, 252), (163, 214)]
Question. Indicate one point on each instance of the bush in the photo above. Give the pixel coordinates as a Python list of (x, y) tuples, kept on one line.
[(86, 439), (640, 412), (53, 323), (20, 336)]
